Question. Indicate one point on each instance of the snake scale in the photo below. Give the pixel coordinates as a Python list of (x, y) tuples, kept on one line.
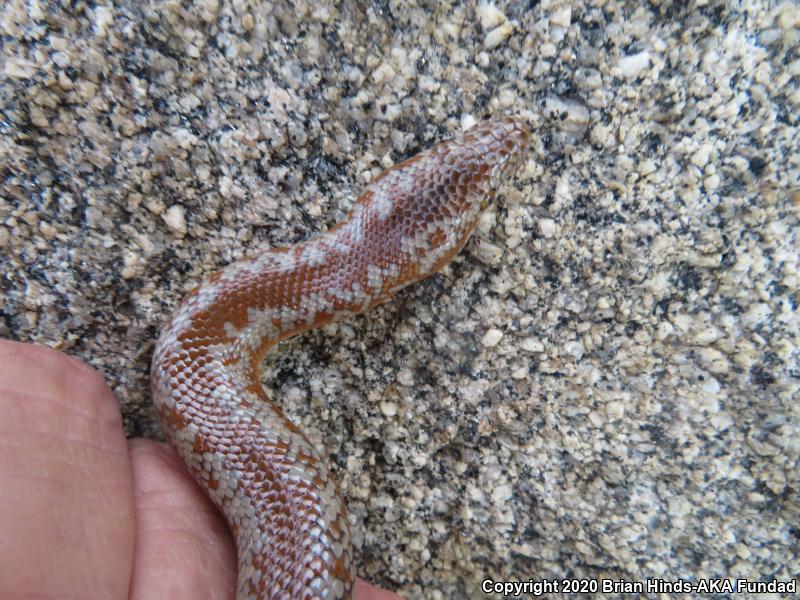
[(274, 489)]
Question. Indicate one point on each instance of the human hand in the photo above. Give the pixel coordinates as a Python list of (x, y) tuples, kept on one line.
[(85, 512)]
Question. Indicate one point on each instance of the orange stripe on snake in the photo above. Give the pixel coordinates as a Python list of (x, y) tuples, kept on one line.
[(281, 503)]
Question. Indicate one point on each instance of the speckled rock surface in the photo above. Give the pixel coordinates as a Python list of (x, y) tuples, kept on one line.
[(604, 384)]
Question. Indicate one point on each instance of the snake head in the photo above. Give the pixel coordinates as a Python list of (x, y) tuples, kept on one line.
[(425, 208)]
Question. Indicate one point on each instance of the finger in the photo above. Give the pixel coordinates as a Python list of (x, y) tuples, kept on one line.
[(66, 510), (183, 547), (367, 591)]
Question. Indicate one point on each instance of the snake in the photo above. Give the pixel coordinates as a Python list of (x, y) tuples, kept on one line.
[(266, 477)]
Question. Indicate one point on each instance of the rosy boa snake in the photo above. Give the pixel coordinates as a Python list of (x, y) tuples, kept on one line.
[(281, 503)]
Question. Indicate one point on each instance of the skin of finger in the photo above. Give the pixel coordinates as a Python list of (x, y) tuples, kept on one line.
[(66, 487), (184, 548), (367, 591)]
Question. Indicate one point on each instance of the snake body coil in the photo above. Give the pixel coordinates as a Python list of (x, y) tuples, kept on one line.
[(281, 503)]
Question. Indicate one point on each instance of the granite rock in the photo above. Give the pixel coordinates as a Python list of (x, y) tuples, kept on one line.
[(603, 385)]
